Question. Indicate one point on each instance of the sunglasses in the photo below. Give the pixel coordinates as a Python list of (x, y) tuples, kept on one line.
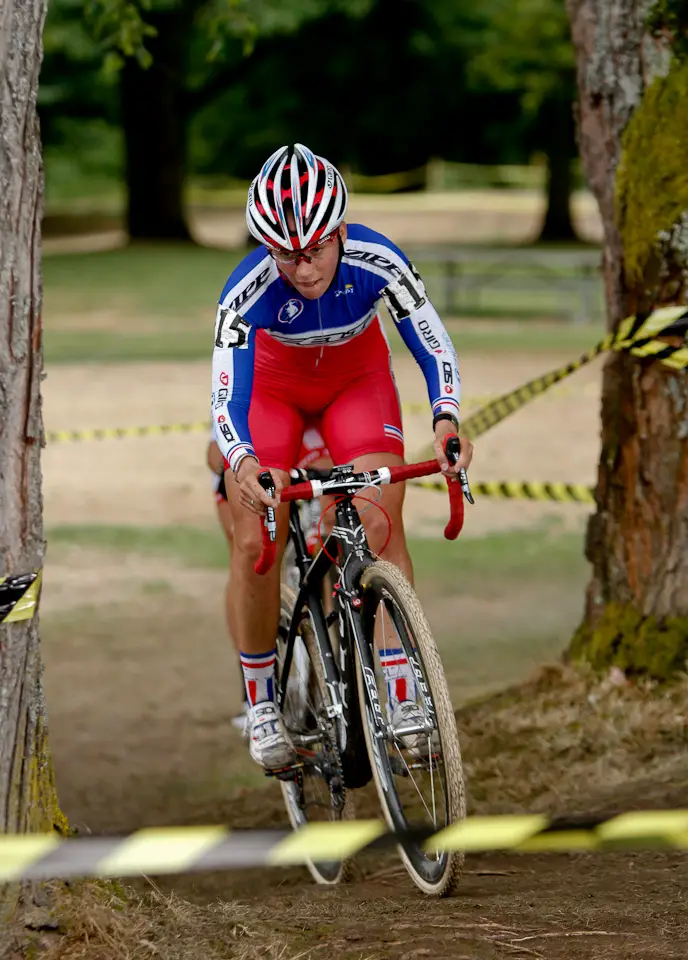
[(315, 252)]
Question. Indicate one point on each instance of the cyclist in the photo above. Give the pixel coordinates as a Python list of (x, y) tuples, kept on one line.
[(313, 453), (298, 335)]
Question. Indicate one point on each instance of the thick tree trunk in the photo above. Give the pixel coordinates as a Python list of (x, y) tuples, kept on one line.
[(155, 128), (560, 145), (27, 795), (637, 601)]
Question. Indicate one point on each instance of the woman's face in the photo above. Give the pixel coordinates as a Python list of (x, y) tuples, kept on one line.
[(312, 279)]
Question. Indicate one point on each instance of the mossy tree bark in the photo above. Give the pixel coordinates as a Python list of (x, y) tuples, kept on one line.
[(27, 793), (633, 144)]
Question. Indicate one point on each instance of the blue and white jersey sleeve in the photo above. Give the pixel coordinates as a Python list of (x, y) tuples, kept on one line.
[(403, 292), (234, 354), (426, 337)]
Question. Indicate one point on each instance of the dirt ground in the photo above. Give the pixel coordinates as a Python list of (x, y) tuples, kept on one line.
[(161, 480), (141, 684), (140, 687)]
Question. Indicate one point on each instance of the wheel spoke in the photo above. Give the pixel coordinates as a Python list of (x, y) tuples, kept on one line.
[(412, 778)]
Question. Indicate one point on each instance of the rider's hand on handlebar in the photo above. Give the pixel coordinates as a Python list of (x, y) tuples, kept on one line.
[(443, 428), (251, 494)]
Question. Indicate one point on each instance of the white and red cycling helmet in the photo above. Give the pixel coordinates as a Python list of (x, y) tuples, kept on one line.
[(295, 181)]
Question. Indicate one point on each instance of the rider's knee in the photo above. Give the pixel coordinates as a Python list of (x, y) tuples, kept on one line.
[(377, 528), (248, 542)]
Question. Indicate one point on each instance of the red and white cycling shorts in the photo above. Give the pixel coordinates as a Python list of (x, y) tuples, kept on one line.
[(313, 448), (347, 391)]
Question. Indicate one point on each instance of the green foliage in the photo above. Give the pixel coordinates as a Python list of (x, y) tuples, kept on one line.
[(652, 178), (640, 646), (409, 102), (73, 87), (222, 21), (120, 26), (668, 21), (525, 45), (91, 165), (415, 61)]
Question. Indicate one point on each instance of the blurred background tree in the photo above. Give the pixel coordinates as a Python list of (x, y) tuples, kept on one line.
[(524, 47), (184, 89)]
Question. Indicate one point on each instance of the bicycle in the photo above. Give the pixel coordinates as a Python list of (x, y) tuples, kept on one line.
[(333, 708)]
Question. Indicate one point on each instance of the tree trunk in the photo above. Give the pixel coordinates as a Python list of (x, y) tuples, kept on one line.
[(155, 128), (27, 794), (636, 612), (560, 144)]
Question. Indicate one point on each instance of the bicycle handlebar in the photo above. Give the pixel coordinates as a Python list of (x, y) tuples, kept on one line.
[(458, 487), (269, 528)]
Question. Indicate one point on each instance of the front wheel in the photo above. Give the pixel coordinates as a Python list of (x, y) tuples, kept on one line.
[(418, 774)]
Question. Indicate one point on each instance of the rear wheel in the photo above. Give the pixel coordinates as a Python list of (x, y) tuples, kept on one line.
[(315, 790), (419, 776)]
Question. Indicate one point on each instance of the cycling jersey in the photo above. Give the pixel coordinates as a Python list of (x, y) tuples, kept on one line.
[(258, 297)]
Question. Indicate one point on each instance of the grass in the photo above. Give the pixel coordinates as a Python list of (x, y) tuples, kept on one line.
[(165, 280), (189, 546), (482, 566), (97, 346), (109, 921), (475, 566), (158, 303), (498, 605)]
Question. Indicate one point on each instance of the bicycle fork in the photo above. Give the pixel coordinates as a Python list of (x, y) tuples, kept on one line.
[(350, 607)]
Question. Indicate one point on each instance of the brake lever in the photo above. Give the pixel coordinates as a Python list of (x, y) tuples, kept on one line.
[(267, 483), (452, 448)]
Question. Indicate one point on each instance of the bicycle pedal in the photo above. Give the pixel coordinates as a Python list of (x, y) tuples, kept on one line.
[(286, 773)]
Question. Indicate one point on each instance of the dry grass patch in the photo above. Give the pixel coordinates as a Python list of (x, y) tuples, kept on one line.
[(569, 742), (106, 921)]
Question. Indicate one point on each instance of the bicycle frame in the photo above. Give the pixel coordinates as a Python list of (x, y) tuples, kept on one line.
[(348, 540)]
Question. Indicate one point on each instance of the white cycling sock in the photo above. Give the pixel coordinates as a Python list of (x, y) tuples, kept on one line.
[(401, 683), (259, 676)]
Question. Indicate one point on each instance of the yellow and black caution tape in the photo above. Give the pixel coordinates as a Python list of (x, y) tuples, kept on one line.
[(637, 335), (19, 596), (162, 850), (198, 426), (521, 490), (124, 433)]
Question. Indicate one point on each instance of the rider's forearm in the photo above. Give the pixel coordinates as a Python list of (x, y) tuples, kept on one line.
[(426, 337)]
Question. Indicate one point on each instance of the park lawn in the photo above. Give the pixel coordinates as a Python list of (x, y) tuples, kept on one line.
[(158, 303)]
